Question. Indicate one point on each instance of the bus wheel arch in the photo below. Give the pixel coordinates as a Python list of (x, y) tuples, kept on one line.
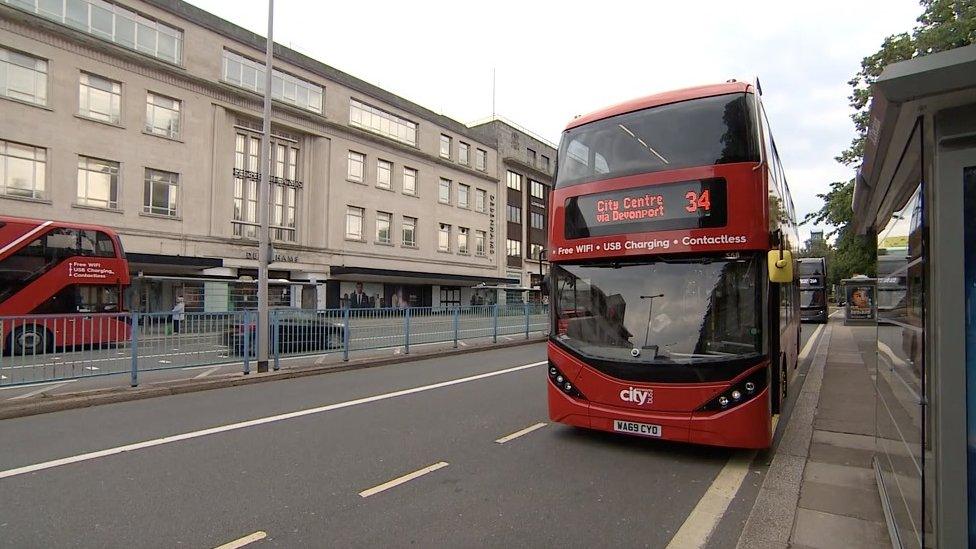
[(31, 340)]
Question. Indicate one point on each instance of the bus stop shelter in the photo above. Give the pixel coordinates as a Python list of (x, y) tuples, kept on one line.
[(917, 188)]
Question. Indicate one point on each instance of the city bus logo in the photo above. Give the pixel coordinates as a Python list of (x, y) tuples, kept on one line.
[(639, 397)]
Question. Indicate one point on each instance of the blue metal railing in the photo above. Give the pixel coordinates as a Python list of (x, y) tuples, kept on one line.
[(43, 348)]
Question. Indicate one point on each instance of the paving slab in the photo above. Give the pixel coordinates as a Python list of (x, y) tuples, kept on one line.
[(817, 529), (841, 500), (839, 455)]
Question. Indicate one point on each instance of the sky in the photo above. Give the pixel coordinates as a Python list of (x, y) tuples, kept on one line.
[(554, 60)]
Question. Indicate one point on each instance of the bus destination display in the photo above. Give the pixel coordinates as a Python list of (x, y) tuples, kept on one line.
[(671, 206)]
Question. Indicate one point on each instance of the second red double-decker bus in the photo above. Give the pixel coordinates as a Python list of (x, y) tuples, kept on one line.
[(61, 285), (675, 310)]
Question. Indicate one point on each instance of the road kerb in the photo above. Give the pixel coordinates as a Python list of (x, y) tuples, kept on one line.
[(770, 521)]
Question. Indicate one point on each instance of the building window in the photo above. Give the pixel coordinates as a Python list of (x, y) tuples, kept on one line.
[(113, 23), (23, 77), (514, 181), (444, 238), (379, 121), (357, 166), (463, 192), (22, 170), (161, 192), (513, 213), (545, 163), (445, 146), (444, 191), (463, 152), (479, 243), (513, 248), (163, 115), (98, 183), (285, 185), (537, 189), (481, 160), (409, 233), (354, 223), (537, 220), (531, 155), (535, 251), (249, 74), (384, 174), (284, 191), (480, 198), (409, 181), (462, 240), (383, 227), (100, 98)]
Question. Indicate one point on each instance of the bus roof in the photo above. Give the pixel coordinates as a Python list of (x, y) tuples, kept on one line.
[(57, 224), (673, 96)]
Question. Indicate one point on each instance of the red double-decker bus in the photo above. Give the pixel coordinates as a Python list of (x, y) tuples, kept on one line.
[(61, 285), (674, 307)]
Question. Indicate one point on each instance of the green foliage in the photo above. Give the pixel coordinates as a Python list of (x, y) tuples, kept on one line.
[(852, 254), (943, 25)]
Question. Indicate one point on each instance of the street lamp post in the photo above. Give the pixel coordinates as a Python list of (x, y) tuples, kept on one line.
[(264, 193), (650, 307)]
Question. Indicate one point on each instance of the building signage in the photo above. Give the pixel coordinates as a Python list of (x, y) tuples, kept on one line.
[(684, 205), (276, 258), (491, 224), (88, 271)]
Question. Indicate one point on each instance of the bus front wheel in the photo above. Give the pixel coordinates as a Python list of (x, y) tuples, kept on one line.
[(30, 340)]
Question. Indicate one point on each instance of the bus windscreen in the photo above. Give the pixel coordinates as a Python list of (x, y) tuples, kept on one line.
[(698, 132), (672, 206)]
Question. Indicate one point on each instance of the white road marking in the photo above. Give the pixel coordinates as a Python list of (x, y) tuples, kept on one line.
[(517, 434), (3, 377), (165, 361), (206, 373), (42, 389), (837, 312), (813, 338), (199, 367), (246, 540), (405, 478), (92, 368), (698, 526), (463, 344), (254, 422)]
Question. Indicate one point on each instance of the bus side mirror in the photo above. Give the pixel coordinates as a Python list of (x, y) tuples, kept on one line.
[(780, 266), (544, 285)]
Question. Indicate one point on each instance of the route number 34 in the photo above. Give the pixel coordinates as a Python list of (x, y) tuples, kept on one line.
[(697, 201)]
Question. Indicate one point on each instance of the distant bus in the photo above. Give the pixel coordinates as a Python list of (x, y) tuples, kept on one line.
[(813, 289), (674, 307), (61, 285)]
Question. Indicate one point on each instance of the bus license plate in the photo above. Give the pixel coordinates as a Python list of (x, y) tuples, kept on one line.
[(643, 429)]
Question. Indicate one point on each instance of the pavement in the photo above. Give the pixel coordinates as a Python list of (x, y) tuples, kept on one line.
[(448, 450), (820, 489)]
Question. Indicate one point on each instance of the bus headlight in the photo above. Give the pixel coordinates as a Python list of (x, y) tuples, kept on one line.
[(743, 391), (559, 380)]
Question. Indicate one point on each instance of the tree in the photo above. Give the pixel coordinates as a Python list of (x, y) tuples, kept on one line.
[(943, 25), (852, 253)]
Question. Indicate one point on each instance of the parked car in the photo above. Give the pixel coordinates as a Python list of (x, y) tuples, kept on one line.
[(298, 331)]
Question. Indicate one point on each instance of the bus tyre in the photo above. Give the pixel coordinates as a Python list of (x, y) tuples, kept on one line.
[(30, 340)]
